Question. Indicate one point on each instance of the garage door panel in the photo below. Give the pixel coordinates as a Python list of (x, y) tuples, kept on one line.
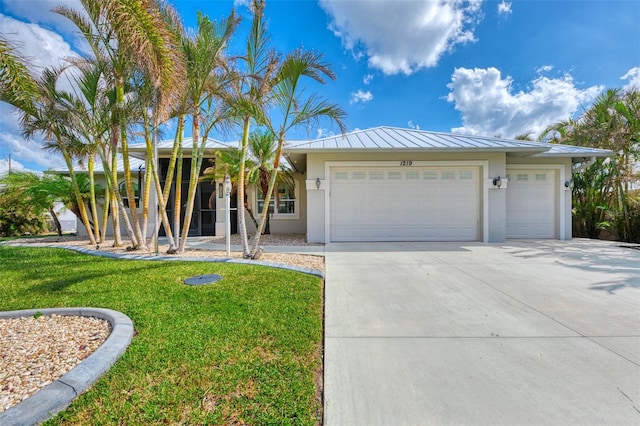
[(397, 204), (531, 209)]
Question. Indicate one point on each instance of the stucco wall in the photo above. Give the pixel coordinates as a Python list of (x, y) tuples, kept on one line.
[(493, 225)]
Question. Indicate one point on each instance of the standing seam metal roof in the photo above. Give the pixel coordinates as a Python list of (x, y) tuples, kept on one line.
[(395, 138)]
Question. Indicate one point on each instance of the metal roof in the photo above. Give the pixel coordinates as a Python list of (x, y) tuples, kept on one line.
[(557, 150), (166, 146), (392, 138), (135, 165)]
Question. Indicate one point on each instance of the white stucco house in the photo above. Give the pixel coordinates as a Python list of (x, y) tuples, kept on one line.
[(393, 184)]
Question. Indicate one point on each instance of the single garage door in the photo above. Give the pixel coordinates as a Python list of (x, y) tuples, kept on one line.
[(531, 209), (404, 204)]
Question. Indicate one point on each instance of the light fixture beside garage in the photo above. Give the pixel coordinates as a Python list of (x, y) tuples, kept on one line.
[(318, 183), (497, 182), (568, 184)]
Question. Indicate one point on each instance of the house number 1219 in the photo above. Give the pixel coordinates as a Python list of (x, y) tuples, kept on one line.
[(406, 163)]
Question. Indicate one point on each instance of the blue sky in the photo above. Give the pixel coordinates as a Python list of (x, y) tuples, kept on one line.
[(478, 67)]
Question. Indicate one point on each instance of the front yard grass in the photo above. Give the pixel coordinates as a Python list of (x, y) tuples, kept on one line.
[(246, 350)]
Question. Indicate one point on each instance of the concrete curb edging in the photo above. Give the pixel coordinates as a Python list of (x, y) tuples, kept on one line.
[(308, 271), (56, 396)]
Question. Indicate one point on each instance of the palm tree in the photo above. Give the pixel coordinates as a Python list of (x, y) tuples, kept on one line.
[(601, 192), (250, 97), (262, 150), (205, 83), (38, 194), (46, 116), (294, 111), (133, 36)]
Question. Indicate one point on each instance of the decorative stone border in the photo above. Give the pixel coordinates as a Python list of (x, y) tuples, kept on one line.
[(56, 396)]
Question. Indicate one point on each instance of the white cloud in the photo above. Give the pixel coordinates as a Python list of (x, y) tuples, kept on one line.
[(367, 79), (16, 166), (40, 12), (324, 133), (360, 96), (402, 36), (504, 8), (42, 48), (412, 125), (633, 78), (28, 151), (490, 107), (544, 68)]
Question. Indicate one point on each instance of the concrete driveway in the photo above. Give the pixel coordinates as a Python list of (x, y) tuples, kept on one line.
[(525, 332)]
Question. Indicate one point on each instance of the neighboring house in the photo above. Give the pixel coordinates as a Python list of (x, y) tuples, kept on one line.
[(391, 184)]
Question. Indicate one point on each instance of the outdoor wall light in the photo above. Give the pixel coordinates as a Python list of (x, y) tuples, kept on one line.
[(497, 182), (318, 183), (568, 184)]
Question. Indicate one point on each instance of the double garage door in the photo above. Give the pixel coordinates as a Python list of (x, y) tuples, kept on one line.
[(434, 204), (405, 204)]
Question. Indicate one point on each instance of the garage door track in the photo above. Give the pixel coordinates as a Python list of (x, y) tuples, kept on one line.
[(525, 332)]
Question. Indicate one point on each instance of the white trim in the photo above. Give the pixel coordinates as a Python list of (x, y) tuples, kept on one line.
[(559, 194), (483, 164), (280, 216)]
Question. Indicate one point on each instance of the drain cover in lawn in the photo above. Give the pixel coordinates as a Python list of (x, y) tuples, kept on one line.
[(203, 279)]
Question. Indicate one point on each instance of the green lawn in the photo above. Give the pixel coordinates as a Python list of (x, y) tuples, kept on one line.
[(246, 350)]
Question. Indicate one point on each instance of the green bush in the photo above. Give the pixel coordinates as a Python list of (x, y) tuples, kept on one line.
[(16, 221), (626, 225)]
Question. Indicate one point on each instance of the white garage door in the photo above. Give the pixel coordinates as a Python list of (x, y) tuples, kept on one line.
[(404, 204), (531, 209)]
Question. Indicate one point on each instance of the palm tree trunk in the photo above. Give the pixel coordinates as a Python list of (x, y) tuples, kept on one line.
[(56, 222), (105, 214), (152, 171), (141, 240), (193, 181), (177, 147), (115, 211), (76, 189), (109, 173), (242, 225), (145, 201), (265, 212), (177, 202), (92, 199)]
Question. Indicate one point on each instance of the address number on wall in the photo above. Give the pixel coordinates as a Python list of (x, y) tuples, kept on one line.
[(405, 163)]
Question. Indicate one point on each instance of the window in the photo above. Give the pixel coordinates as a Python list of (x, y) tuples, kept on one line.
[(284, 200), (123, 192)]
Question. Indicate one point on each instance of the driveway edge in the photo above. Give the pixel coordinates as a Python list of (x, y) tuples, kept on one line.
[(56, 396)]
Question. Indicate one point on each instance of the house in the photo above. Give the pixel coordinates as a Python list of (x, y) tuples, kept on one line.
[(393, 184)]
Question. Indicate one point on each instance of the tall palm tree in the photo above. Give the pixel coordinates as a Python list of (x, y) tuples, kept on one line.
[(46, 116), (204, 57), (294, 110), (133, 36), (249, 98)]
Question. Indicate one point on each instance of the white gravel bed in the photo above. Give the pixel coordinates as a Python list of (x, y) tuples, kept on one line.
[(36, 351), (295, 259)]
